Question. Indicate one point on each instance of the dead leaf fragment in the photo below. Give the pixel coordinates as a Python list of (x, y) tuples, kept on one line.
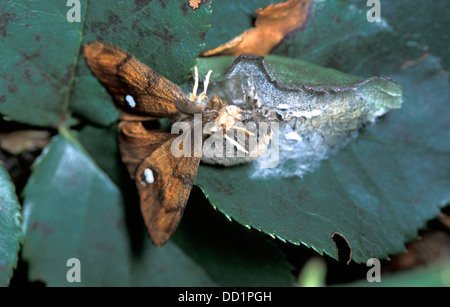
[(271, 26), (195, 4), (18, 141)]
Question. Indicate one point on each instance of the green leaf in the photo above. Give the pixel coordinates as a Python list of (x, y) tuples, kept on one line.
[(376, 193), (44, 75), (101, 144), (73, 210), (36, 63), (10, 228)]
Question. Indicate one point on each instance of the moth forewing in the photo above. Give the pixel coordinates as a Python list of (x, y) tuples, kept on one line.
[(136, 88)]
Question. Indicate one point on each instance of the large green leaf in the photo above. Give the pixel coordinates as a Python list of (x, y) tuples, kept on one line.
[(376, 193), (10, 228), (73, 210), (352, 191), (43, 75)]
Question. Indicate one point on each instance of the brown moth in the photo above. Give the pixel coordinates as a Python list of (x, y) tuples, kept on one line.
[(163, 181)]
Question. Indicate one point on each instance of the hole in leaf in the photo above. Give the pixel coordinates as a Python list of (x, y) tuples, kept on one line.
[(343, 247)]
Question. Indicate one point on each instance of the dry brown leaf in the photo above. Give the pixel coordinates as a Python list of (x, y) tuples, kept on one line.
[(194, 4), (17, 141), (271, 26)]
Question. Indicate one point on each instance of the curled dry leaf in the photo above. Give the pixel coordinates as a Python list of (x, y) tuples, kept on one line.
[(17, 141), (194, 4), (271, 26)]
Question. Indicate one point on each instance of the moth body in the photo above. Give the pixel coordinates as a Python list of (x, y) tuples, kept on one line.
[(227, 127)]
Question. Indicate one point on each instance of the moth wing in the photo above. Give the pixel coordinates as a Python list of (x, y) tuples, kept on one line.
[(164, 183), (136, 88), (136, 143)]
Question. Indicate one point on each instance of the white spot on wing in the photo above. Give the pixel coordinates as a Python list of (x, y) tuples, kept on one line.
[(130, 101), (149, 175)]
